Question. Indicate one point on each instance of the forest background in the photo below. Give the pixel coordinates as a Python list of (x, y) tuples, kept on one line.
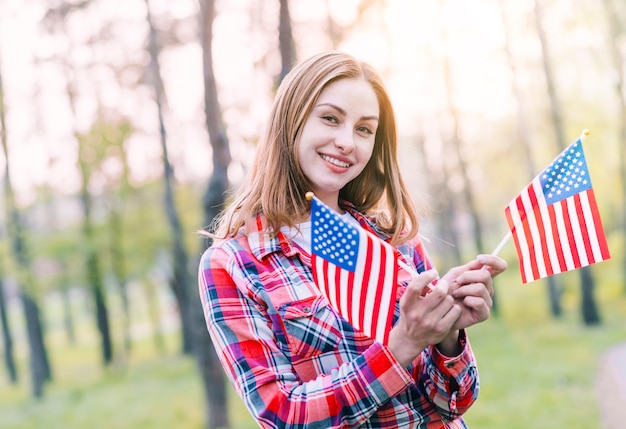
[(123, 124)]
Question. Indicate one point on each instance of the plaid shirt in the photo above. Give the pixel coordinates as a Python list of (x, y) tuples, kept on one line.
[(296, 363)]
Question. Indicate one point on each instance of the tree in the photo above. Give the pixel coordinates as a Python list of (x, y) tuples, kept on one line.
[(90, 155), (456, 145), (524, 136), (7, 337), (285, 40), (88, 146), (181, 278), (39, 363), (589, 308), (213, 201), (115, 144)]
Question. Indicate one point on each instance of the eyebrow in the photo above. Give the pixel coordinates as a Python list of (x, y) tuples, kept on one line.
[(343, 112)]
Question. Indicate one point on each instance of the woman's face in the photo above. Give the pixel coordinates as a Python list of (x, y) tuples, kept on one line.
[(337, 139)]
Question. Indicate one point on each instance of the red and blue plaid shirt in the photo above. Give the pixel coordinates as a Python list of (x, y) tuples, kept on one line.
[(297, 364)]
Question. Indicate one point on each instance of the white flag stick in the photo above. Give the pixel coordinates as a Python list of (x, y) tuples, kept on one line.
[(502, 243)]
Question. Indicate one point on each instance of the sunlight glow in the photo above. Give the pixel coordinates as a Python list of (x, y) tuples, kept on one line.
[(410, 43)]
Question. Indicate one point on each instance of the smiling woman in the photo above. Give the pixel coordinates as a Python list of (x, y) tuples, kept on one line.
[(291, 356), (337, 139)]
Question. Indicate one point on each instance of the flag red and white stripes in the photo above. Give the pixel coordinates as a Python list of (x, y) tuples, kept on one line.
[(355, 270), (555, 221)]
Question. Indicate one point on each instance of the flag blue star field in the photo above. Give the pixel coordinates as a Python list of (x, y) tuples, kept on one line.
[(555, 221), (355, 270)]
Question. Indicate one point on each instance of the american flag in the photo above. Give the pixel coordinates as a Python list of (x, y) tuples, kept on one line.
[(555, 221), (355, 270)]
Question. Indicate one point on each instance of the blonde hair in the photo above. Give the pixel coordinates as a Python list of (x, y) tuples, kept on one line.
[(276, 185)]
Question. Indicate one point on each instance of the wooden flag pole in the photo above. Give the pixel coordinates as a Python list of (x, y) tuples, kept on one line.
[(508, 235)]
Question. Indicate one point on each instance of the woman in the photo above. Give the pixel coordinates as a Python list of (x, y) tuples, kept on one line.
[(290, 356)]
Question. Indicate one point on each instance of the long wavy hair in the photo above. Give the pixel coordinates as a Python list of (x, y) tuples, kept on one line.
[(276, 186)]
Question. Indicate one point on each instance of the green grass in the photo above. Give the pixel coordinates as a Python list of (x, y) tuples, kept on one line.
[(540, 372), (535, 372)]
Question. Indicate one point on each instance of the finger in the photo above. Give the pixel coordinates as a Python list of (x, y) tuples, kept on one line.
[(476, 290), (494, 264), (438, 301), (417, 286), (448, 320), (480, 309), (439, 318), (477, 301), (438, 306), (475, 276), (455, 272), (432, 306), (471, 289)]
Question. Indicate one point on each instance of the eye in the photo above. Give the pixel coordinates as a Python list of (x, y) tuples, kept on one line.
[(330, 118), (365, 130)]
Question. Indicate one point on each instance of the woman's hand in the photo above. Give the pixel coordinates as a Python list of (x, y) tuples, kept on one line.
[(472, 287), (425, 318)]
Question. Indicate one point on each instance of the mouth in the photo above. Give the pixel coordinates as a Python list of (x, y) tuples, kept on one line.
[(335, 161)]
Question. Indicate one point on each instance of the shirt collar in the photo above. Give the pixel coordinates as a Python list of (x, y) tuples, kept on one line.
[(262, 241)]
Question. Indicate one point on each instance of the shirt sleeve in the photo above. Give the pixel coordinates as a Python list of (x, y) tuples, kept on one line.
[(451, 384), (240, 326)]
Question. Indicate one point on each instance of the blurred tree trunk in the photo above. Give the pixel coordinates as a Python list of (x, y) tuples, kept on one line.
[(39, 363), (55, 22), (588, 308), (151, 298), (68, 318), (86, 148), (616, 33), (455, 140), (555, 287), (213, 202), (7, 337), (588, 303), (181, 278), (523, 125), (461, 167), (118, 263), (467, 192), (285, 40), (64, 284), (523, 128), (116, 223), (437, 177)]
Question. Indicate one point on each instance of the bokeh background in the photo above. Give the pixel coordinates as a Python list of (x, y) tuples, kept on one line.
[(124, 122)]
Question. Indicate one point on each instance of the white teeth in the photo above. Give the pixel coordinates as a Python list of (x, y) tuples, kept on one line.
[(335, 161)]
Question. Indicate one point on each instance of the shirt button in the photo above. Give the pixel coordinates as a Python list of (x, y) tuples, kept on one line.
[(449, 364), (306, 310)]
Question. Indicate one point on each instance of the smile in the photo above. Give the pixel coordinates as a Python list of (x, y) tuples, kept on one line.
[(335, 161)]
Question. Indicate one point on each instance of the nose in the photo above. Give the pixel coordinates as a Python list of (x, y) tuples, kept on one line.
[(344, 139)]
